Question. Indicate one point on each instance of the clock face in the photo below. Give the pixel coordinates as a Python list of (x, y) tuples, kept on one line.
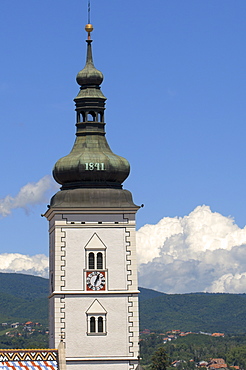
[(95, 280)]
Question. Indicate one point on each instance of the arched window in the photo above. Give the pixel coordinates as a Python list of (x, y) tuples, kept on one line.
[(92, 324), (99, 261), (100, 324), (96, 324), (96, 317), (91, 261), (91, 116)]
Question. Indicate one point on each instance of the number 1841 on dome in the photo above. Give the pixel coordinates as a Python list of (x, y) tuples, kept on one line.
[(94, 166)]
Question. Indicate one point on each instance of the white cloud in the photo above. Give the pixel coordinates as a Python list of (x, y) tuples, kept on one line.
[(230, 283), (20, 263), (29, 195), (203, 251)]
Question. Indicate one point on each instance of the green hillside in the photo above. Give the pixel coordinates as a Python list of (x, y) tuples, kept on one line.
[(224, 313), (23, 298), (24, 286)]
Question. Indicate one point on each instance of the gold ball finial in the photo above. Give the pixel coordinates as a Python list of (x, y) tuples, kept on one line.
[(89, 28)]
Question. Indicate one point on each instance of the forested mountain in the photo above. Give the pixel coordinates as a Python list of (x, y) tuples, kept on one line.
[(24, 286), (195, 312), (25, 297)]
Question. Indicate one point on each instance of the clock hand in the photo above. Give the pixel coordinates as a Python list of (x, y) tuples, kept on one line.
[(97, 278)]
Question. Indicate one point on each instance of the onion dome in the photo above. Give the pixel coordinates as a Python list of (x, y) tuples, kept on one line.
[(91, 163), (89, 75)]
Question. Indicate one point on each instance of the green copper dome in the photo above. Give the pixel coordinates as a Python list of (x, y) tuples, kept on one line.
[(91, 163)]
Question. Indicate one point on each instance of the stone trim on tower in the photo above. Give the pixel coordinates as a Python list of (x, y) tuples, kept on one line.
[(133, 325), (131, 258), (59, 318)]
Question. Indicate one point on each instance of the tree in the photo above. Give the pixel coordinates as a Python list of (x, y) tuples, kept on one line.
[(159, 360)]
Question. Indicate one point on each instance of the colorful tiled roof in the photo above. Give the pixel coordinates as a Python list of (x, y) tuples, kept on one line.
[(31, 359)]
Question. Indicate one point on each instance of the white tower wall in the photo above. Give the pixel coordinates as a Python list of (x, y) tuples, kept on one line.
[(73, 235)]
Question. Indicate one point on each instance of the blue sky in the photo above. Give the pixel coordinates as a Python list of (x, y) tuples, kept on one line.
[(174, 76)]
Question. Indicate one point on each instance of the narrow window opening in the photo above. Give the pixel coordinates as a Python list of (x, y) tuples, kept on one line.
[(92, 325), (52, 282), (100, 324), (101, 117), (91, 261), (99, 261), (80, 117)]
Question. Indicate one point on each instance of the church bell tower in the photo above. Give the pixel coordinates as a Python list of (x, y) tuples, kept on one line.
[(93, 299)]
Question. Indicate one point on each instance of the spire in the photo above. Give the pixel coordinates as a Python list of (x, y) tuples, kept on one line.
[(89, 75), (91, 163)]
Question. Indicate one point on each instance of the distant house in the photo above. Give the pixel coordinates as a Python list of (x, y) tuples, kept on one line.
[(166, 339), (204, 333), (202, 364), (217, 360), (29, 323), (177, 363), (15, 325), (172, 336), (216, 363), (182, 334), (145, 331)]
